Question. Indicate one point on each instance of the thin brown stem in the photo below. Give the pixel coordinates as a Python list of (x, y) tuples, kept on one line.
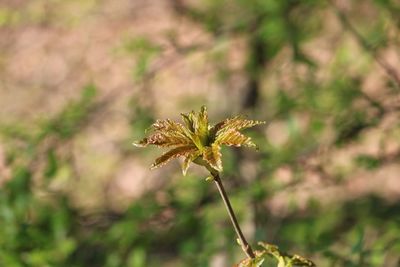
[(243, 242)]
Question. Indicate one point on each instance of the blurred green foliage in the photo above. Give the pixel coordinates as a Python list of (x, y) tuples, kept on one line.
[(145, 51), (40, 227)]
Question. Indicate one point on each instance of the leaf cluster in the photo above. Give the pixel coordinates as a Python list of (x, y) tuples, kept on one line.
[(196, 140), (284, 259)]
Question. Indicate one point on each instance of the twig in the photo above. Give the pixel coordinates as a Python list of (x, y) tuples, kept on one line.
[(243, 242)]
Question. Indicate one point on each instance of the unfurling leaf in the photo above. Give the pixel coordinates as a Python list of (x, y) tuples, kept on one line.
[(301, 261), (236, 123), (213, 156), (166, 133), (189, 159), (234, 138), (256, 262), (167, 125), (164, 139), (202, 128), (284, 259), (190, 120), (173, 153), (197, 125), (281, 262)]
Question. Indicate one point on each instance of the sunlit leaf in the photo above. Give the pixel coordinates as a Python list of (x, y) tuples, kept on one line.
[(283, 259), (256, 262), (168, 125), (190, 120), (236, 123), (173, 153), (165, 139), (301, 261), (213, 156), (281, 262), (202, 128), (234, 138), (166, 133), (197, 124), (189, 159), (209, 178)]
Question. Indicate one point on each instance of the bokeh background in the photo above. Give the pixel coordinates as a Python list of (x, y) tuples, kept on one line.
[(81, 80)]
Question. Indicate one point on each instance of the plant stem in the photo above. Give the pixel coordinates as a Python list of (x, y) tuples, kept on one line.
[(243, 242)]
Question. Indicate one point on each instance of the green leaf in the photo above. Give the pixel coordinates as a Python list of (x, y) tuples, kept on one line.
[(202, 127), (190, 120), (213, 156), (256, 262), (197, 124), (52, 165), (209, 178), (284, 259), (281, 262), (189, 159)]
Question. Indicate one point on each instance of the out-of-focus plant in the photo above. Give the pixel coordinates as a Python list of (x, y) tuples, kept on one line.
[(284, 259), (37, 230), (199, 142)]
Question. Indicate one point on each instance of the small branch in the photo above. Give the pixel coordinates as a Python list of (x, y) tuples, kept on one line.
[(243, 242)]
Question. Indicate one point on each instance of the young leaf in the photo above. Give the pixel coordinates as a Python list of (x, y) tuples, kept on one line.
[(174, 153), (189, 159), (164, 139), (234, 138), (236, 123), (202, 128), (213, 156)]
